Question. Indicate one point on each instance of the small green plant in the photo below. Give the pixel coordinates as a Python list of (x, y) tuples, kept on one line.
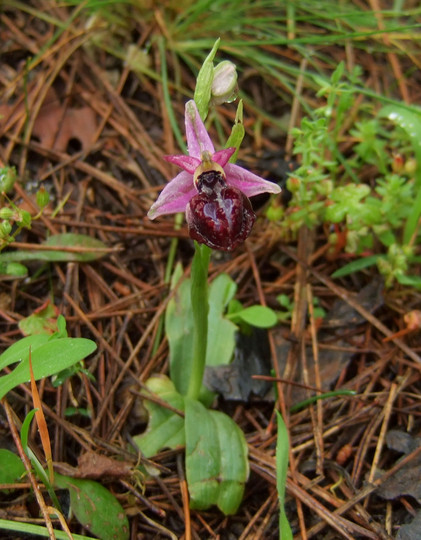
[(51, 352), (50, 355), (287, 306), (379, 218), (201, 320), (68, 246)]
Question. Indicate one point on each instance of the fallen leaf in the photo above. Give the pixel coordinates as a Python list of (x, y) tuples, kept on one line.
[(251, 357), (56, 125), (406, 480), (92, 465), (411, 531)]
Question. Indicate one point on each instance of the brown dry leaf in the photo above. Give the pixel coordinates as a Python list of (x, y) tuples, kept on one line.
[(92, 465), (55, 126), (407, 480), (411, 531)]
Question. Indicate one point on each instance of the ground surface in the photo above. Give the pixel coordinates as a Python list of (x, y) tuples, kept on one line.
[(80, 119)]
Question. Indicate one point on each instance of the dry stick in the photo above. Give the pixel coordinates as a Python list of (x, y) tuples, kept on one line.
[(135, 131), (369, 488), (342, 525), (184, 498), (394, 391), (268, 517), (295, 107), (342, 293), (144, 500), (305, 247), (302, 494), (271, 499), (275, 363), (57, 66), (91, 170), (375, 6), (318, 426), (132, 356), (28, 467)]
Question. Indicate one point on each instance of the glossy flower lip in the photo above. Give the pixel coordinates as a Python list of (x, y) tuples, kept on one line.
[(181, 189)]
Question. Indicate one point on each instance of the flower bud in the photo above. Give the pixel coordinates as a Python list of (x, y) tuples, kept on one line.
[(224, 84), (6, 213), (5, 229), (24, 218), (43, 197), (8, 177)]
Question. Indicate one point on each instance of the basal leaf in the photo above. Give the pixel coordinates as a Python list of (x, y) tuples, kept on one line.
[(20, 349), (221, 331), (179, 329), (234, 470), (165, 427), (11, 467), (47, 359), (282, 456), (259, 316), (83, 249), (216, 459), (95, 508)]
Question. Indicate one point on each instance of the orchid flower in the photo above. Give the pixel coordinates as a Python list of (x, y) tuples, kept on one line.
[(212, 192)]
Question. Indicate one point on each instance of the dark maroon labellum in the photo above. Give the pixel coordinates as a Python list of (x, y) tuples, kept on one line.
[(219, 216)]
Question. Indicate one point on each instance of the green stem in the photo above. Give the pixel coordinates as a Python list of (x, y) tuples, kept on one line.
[(200, 308)]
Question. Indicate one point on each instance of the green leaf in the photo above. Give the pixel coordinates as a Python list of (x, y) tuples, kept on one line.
[(282, 456), (95, 508), (165, 427), (24, 434), (409, 119), (11, 467), (20, 349), (260, 316), (202, 93), (12, 269), (47, 359), (65, 240), (413, 218), (43, 321), (179, 327), (179, 330), (338, 73), (216, 459), (411, 281), (221, 331), (37, 530), (356, 266)]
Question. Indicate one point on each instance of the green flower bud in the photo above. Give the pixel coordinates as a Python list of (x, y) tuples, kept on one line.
[(43, 197), (24, 218), (5, 229), (6, 213), (224, 84), (8, 177)]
